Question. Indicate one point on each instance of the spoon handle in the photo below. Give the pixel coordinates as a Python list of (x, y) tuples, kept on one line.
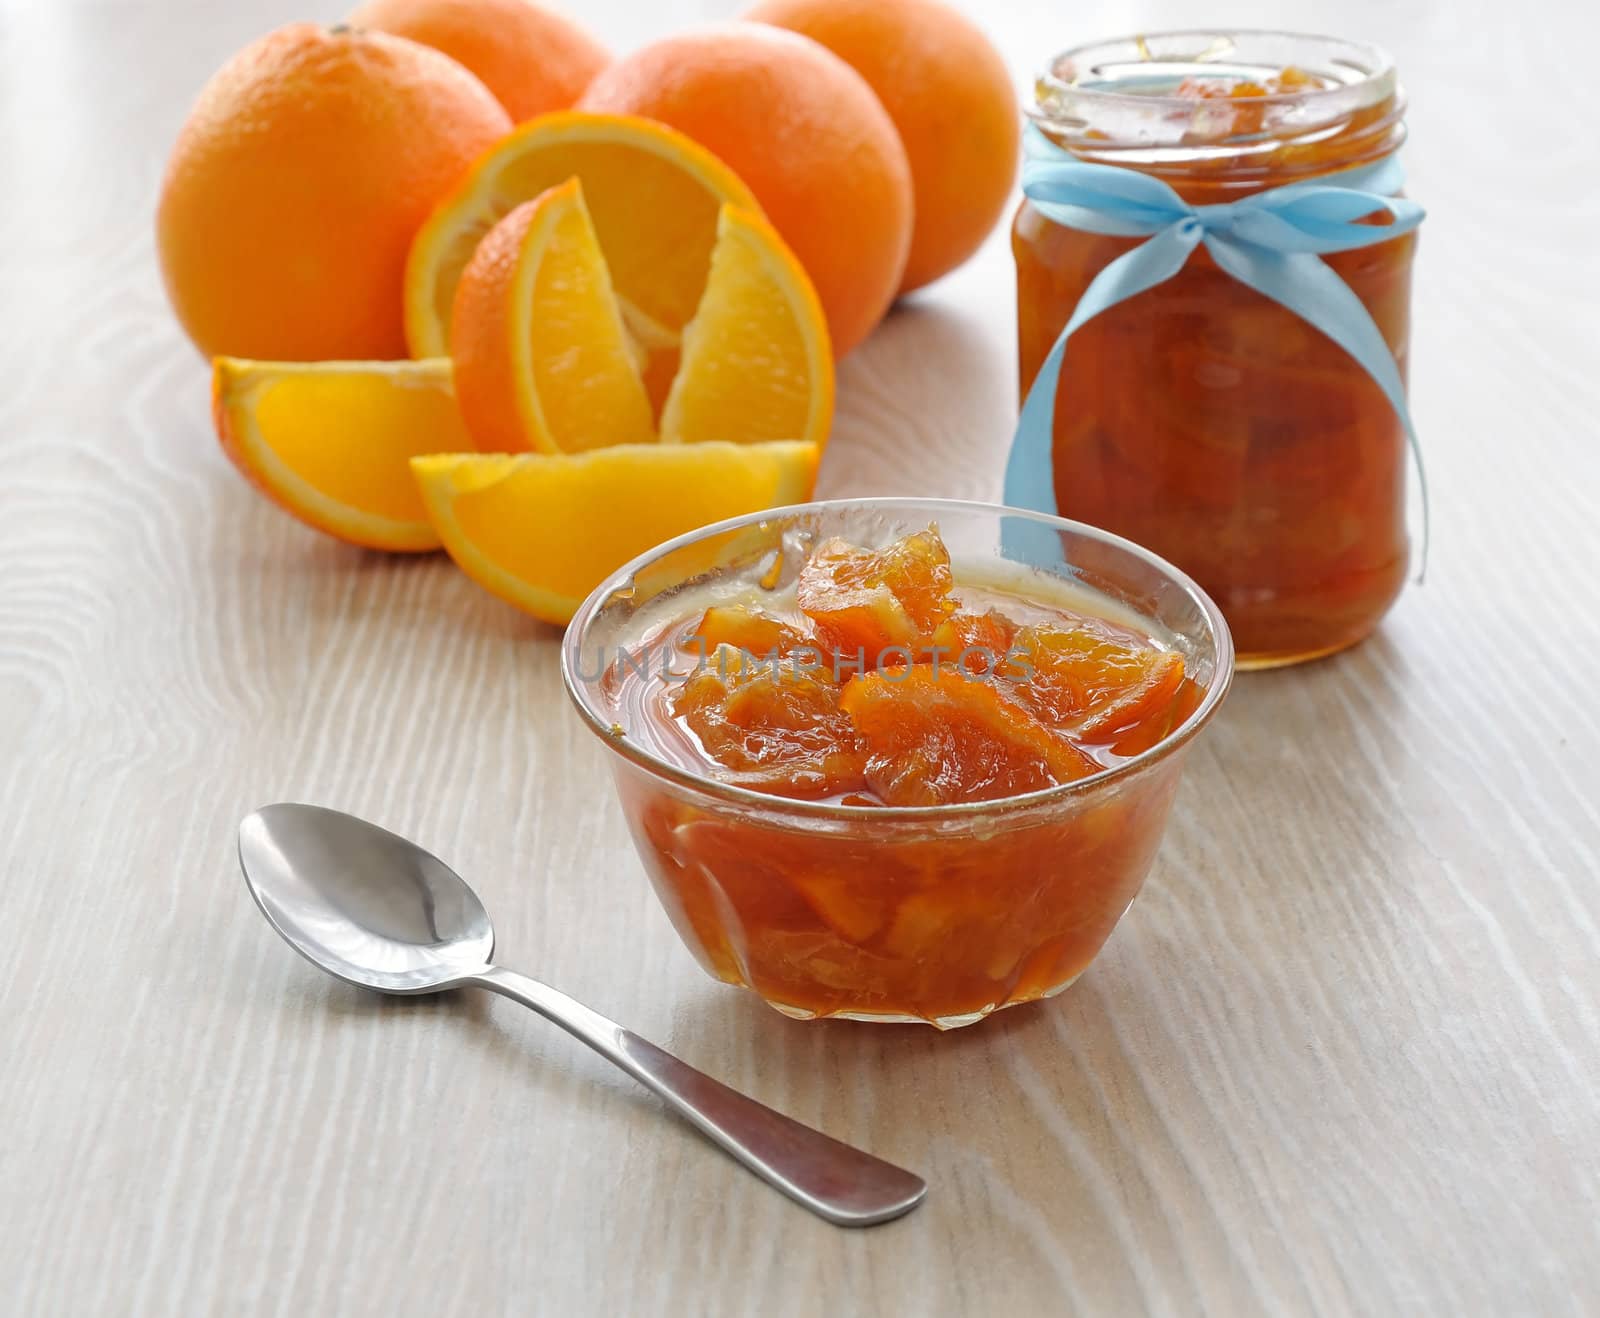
[(837, 1182)]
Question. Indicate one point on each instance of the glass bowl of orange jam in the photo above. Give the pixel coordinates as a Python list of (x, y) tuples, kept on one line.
[(896, 759), (1199, 417)]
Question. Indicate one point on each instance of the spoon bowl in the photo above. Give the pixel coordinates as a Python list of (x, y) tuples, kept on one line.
[(368, 906)]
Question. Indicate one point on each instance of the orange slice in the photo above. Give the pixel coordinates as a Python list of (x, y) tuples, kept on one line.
[(330, 441), (543, 530), (654, 195), (755, 361), (541, 356)]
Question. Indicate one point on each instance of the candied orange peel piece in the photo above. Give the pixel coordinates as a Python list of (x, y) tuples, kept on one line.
[(866, 601), (749, 630), (1290, 79), (772, 726), (1069, 676), (937, 738), (977, 643), (1148, 699)]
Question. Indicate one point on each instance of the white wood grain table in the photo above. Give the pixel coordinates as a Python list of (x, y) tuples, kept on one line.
[(1341, 1057)]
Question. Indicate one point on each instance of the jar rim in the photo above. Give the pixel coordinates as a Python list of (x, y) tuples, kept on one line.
[(1077, 91)]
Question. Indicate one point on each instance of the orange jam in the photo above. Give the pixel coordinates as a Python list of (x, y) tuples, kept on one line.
[(884, 678), (1199, 418)]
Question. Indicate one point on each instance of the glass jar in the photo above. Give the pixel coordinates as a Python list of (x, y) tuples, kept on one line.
[(1200, 418)]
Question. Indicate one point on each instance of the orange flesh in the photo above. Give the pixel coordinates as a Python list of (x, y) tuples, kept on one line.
[(1217, 428), (940, 923)]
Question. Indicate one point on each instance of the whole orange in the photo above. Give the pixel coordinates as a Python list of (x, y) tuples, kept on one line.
[(297, 182), (950, 96), (533, 59), (805, 133)]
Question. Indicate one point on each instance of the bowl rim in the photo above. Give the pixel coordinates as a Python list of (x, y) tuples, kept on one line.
[(634, 752)]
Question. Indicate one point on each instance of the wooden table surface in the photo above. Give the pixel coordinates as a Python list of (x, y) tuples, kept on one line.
[(1341, 1057)]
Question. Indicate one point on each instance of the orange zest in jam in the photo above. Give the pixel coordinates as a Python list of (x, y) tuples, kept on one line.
[(772, 730), (883, 686), (870, 601), (1287, 81), (935, 737)]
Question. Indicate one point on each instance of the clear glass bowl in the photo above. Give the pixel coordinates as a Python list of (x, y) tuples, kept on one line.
[(941, 913)]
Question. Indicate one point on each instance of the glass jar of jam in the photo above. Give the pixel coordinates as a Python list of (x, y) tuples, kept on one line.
[(1199, 417)]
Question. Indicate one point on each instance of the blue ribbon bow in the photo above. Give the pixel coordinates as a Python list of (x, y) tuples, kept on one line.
[(1271, 241)]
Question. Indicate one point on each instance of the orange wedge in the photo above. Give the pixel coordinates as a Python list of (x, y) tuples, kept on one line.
[(654, 195), (542, 361), (755, 362), (541, 531), (330, 441)]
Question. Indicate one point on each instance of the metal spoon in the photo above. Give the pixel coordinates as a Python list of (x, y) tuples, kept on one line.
[(377, 911)]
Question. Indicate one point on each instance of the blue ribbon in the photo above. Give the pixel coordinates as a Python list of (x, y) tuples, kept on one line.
[(1271, 241)]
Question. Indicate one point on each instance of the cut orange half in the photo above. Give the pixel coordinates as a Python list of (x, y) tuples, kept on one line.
[(654, 196), (542, 531), (542, 361), (755, 362), (330, 441)]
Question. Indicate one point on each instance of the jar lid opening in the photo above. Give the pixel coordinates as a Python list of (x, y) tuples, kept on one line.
[(1126, 91)]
